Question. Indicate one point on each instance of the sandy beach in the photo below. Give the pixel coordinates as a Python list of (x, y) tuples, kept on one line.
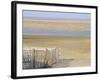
[(75, 51)]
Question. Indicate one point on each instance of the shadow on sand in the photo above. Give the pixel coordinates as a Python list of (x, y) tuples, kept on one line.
[(38, 65)]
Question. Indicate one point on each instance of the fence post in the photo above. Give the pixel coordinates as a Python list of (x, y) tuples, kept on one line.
[(33, 54)]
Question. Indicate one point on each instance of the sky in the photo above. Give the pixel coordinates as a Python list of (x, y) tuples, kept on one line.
[(55, 15)]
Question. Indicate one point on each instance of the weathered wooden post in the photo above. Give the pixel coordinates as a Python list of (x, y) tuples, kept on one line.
[(45, 58), (33, 56)]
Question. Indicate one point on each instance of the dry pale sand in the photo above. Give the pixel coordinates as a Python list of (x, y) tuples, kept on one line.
[(75, 51)]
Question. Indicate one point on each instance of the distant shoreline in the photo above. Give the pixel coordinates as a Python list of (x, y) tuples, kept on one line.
[(50, 36)]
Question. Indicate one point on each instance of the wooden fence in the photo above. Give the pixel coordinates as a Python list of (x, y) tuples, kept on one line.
[(39, 57)]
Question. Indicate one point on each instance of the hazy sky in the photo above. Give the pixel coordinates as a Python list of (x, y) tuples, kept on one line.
[(55, 15)]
